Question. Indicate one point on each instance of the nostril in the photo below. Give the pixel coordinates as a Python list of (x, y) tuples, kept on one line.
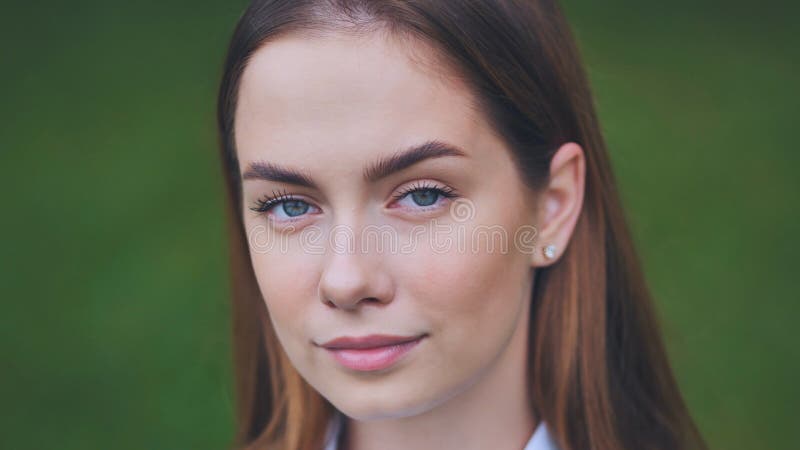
[(333, 304)]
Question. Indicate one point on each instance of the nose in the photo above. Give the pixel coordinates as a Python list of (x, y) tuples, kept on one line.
[(351, 278)]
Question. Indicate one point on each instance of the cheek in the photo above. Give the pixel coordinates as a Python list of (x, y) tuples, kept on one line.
[(287, 284), (471, 299)]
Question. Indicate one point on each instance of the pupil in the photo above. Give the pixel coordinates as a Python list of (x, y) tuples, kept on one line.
[(424, 197), (295, 207)]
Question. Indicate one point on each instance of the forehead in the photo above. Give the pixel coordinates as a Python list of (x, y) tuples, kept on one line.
[(347, 96)]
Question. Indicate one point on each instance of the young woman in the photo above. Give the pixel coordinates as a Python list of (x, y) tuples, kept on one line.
[(508, 309)]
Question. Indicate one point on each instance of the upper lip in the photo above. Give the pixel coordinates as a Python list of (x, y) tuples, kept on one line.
[(369, 341)]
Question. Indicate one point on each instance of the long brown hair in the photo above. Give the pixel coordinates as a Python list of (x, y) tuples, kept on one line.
[(598, 370)]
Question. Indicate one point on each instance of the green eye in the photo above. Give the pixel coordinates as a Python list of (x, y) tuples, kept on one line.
[(424, 194), (282, 206), (425, 197), (294, 208)]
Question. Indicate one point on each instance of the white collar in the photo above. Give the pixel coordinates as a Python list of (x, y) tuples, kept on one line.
[(540, 439)]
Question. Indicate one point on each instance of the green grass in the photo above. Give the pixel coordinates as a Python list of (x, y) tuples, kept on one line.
[(115, 323)]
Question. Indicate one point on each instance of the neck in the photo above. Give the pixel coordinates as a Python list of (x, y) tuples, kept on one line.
[(494, 412)]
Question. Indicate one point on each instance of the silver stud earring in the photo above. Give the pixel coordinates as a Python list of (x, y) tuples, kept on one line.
[(550, 251)]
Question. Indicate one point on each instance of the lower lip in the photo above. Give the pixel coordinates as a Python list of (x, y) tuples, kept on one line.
[(370, 359)]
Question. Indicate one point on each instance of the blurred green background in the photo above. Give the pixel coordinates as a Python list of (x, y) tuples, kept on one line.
[(115, 325)]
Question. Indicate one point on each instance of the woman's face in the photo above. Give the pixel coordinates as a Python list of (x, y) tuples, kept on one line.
[(426, 248)]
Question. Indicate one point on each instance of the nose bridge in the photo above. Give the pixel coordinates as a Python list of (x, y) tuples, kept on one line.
[(352, 270)]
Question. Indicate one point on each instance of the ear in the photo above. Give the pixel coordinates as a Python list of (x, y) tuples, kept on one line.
[(560, 203)]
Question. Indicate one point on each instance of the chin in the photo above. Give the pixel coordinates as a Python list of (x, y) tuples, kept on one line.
[(365, 404)]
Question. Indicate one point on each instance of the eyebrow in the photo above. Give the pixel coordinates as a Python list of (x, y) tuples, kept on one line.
[(400, 160)]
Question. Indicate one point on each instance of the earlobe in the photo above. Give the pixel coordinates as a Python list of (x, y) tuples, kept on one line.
[(550, 251), (544, 255), (561, 203)]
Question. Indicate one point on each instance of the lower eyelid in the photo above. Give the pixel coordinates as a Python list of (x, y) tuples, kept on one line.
[(441, 202), (439, 205), (310, 211)]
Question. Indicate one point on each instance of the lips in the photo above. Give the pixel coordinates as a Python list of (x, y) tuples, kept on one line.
[(370, 341), (371, 353)]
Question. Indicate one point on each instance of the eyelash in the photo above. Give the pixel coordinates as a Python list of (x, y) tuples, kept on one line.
[(265, 204), (444, 191), (277, 197)]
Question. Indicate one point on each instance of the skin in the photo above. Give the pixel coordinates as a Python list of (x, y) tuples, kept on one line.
[(330, 107)]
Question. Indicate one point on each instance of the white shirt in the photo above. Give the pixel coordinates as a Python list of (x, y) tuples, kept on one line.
[(540, 439)]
